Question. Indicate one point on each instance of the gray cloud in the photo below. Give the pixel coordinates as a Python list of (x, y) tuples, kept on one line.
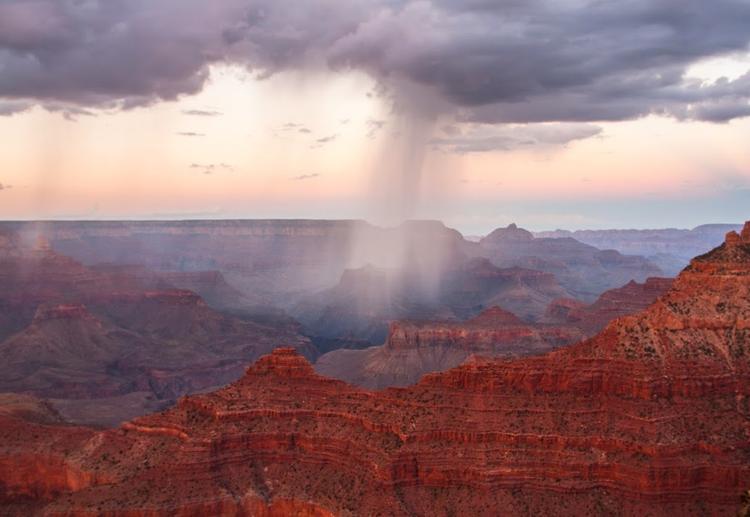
[(326, 139), (202, 113), (492, 62), (319, 142), (507, 138), (5, 187), (8, 108), (211, 168), (68, 112), (305, 177), (559, 61), (189, 133), (373, 127)]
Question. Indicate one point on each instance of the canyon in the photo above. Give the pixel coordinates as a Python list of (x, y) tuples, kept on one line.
[(363, 303), (670, 248), (105, 344), (583, 270), (414, 348), (345, 280), (650, 417), (111, 320)]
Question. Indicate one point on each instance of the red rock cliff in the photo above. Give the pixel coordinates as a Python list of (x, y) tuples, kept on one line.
[(649, 417)]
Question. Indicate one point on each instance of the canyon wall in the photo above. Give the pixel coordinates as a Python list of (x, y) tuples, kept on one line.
[(648, 417)]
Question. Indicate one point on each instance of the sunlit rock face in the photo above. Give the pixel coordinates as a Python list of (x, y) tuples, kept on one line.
[(630, 298), (648, 417)]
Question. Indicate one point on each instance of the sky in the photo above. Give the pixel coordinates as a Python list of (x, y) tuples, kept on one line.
[(551, 114)]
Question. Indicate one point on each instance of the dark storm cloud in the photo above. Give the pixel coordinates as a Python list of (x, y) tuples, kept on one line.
[(492, 61), (559, 61), (8, 108), (106, 53)]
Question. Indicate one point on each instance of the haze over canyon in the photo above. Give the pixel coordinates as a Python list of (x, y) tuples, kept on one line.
[(374, 258), (551, 363)]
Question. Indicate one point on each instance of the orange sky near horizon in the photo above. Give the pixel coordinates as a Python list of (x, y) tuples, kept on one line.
[(248, 161)]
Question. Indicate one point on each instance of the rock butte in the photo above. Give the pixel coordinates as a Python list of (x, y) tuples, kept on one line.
[(583, 270), (414, 348), (628, 299), (650, 417)]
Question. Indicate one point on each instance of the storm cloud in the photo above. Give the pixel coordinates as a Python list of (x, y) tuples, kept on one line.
[(507, 61), (8, 108)]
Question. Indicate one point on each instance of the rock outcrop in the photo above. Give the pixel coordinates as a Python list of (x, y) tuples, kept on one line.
[(628, 299), (649, 417), (583, 270), (414, 348)]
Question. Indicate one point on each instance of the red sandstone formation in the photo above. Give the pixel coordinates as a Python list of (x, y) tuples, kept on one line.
[(414, 348), (28, 408), (650, 417), (628, 299)]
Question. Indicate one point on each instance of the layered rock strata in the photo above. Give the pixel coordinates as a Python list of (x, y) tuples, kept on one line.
[(650, 417)]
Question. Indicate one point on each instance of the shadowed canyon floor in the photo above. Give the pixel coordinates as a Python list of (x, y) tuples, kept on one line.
[(649, 417)]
